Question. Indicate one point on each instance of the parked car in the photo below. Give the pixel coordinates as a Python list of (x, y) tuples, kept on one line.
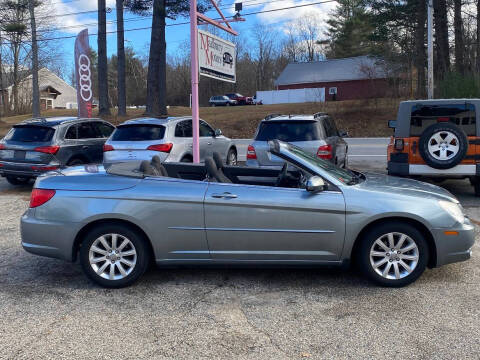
[(316, 134), (240, 99), (169, 138), (221, 101), (314, 214), (38, 145), (437, 139), (256, 101)]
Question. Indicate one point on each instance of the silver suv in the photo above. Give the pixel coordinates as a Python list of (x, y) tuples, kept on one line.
[(169, 138), (222, 101), (315, 133)]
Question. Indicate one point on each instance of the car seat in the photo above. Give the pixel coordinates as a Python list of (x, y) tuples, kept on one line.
[(147, 169), (218, 160), (215, 173), (157, 164)]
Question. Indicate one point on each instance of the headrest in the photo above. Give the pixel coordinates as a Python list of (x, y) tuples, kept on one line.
[(218, 160)]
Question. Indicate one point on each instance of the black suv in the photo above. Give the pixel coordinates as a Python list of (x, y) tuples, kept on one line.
[(39, 145)]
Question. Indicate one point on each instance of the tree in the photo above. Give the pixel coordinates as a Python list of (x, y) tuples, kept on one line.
[(441, 38), (420, 53), (459, 42), (157, 64), (103, 101), (121, 92), (35, 89), (478, 37)]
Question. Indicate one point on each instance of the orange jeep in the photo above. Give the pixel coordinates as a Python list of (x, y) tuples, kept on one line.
[(437, 139)]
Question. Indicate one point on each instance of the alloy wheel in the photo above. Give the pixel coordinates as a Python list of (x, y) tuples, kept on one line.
[(394, 256), (112, 256), (443, 145)]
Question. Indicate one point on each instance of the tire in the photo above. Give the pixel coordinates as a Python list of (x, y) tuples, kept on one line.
[(232, 159), (136, 244), (476, 185), (212, 105), (186, 159), (391, 278), (75, 162), (227, 104), (18, 180), (437, 137)]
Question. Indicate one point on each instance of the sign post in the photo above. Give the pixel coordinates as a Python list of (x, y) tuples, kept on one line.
[(209, 69)]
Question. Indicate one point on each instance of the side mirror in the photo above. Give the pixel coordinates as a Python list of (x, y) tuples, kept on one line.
[(392, 124), (218, 133), (343, 133), (315, 184)]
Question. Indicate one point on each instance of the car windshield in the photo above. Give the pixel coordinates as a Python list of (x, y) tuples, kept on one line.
[(30, 134), (138, 132), (289, 131), (345, 176)]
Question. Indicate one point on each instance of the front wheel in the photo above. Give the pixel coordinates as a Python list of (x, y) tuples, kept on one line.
[(114, 255), (393, 254)]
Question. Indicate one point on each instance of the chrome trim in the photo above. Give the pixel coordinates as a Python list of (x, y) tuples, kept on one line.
[(255, 230), (35, 246), (457, 170)]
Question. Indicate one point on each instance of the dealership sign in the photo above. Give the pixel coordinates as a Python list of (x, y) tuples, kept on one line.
[(216, 57), (83, 73)]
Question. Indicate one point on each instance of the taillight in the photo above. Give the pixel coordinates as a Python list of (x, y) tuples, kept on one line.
[(44, 168), (161, 147), (2, 147), (325, 152), (399, 144), (48, 149), (107, 148), (251, 154), (40, 197)]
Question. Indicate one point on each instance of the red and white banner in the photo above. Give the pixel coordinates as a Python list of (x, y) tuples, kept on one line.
[(83, 73)]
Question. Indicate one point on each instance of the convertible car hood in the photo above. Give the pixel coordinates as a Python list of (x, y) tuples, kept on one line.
[(85, 178), (402, 186)]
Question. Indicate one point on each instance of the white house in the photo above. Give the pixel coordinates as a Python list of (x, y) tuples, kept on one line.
[(55, 93)]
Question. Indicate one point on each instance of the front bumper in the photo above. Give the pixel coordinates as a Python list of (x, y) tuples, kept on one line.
[(454, 248), (48, 238), (25, 169)]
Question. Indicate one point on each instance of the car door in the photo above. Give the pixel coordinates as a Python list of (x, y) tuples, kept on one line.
[(207, 137), (219, 143), (266, 223), (102, 132), (339, 145)]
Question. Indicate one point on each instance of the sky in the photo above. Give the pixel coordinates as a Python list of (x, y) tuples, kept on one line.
[(70, 25)]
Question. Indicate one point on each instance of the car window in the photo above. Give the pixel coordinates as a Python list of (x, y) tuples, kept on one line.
[(289, 131), (138, 132), (205, 130), (71, 133), (461, 114), (184, 129), (104, 129), (26, 133), (86, 131)]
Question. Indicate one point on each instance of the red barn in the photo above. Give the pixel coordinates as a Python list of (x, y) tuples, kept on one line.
[(359, 77)]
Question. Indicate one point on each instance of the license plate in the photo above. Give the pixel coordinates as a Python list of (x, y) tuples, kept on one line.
[(19, 155)]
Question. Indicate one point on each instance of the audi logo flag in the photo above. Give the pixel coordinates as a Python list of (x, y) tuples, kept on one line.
[(83, 73)]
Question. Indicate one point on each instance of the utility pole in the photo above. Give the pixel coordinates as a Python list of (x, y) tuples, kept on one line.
[(35, 89), (430, 49)]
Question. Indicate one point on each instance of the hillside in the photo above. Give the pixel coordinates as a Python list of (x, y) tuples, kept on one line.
[(359, 118)]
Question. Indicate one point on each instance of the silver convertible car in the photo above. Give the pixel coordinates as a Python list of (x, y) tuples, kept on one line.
[(119, 219)]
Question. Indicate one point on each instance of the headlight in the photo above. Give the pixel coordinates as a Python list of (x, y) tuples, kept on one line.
[(453, 209)]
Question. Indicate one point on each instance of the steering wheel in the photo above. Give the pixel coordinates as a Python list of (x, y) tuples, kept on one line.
[(282, 176)]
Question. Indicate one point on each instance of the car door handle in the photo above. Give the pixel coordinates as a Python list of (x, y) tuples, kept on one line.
[(209, 143), (84, 147), (225, 195)]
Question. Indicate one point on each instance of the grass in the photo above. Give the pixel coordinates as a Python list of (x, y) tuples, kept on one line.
[(359, 118)]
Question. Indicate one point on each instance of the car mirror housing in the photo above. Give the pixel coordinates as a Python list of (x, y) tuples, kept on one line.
[(392, 124), (343, 133), (315, 184), (218, 132)]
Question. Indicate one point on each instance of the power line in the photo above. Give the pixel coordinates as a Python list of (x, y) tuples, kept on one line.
[(186, 22)]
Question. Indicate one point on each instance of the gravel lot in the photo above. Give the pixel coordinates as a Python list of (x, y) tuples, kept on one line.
[(49, 310)]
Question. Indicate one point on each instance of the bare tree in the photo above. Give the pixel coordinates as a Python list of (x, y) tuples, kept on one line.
[(459, 37), (420, 53), (103, 100), (121, 91), (441, 38), (35, 89)]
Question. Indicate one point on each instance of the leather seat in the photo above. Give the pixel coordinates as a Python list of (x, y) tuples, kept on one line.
[(147, 169), (214, 173), (218, 160), (157, 164)]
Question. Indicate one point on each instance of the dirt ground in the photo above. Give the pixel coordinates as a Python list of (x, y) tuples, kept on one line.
[(359, 118)]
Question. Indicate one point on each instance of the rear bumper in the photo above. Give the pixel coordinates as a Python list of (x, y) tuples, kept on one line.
[(111, 157), (454, 248), (25, 169), (405, 169), (48, 238)]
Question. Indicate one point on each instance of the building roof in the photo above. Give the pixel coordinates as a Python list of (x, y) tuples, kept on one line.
[(355, 68)]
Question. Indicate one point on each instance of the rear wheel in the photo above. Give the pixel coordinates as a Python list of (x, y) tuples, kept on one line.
[(75, 162), (227, 104), (18, 180), (114, 255), (393, 254), (212, 105), (232, 157)]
